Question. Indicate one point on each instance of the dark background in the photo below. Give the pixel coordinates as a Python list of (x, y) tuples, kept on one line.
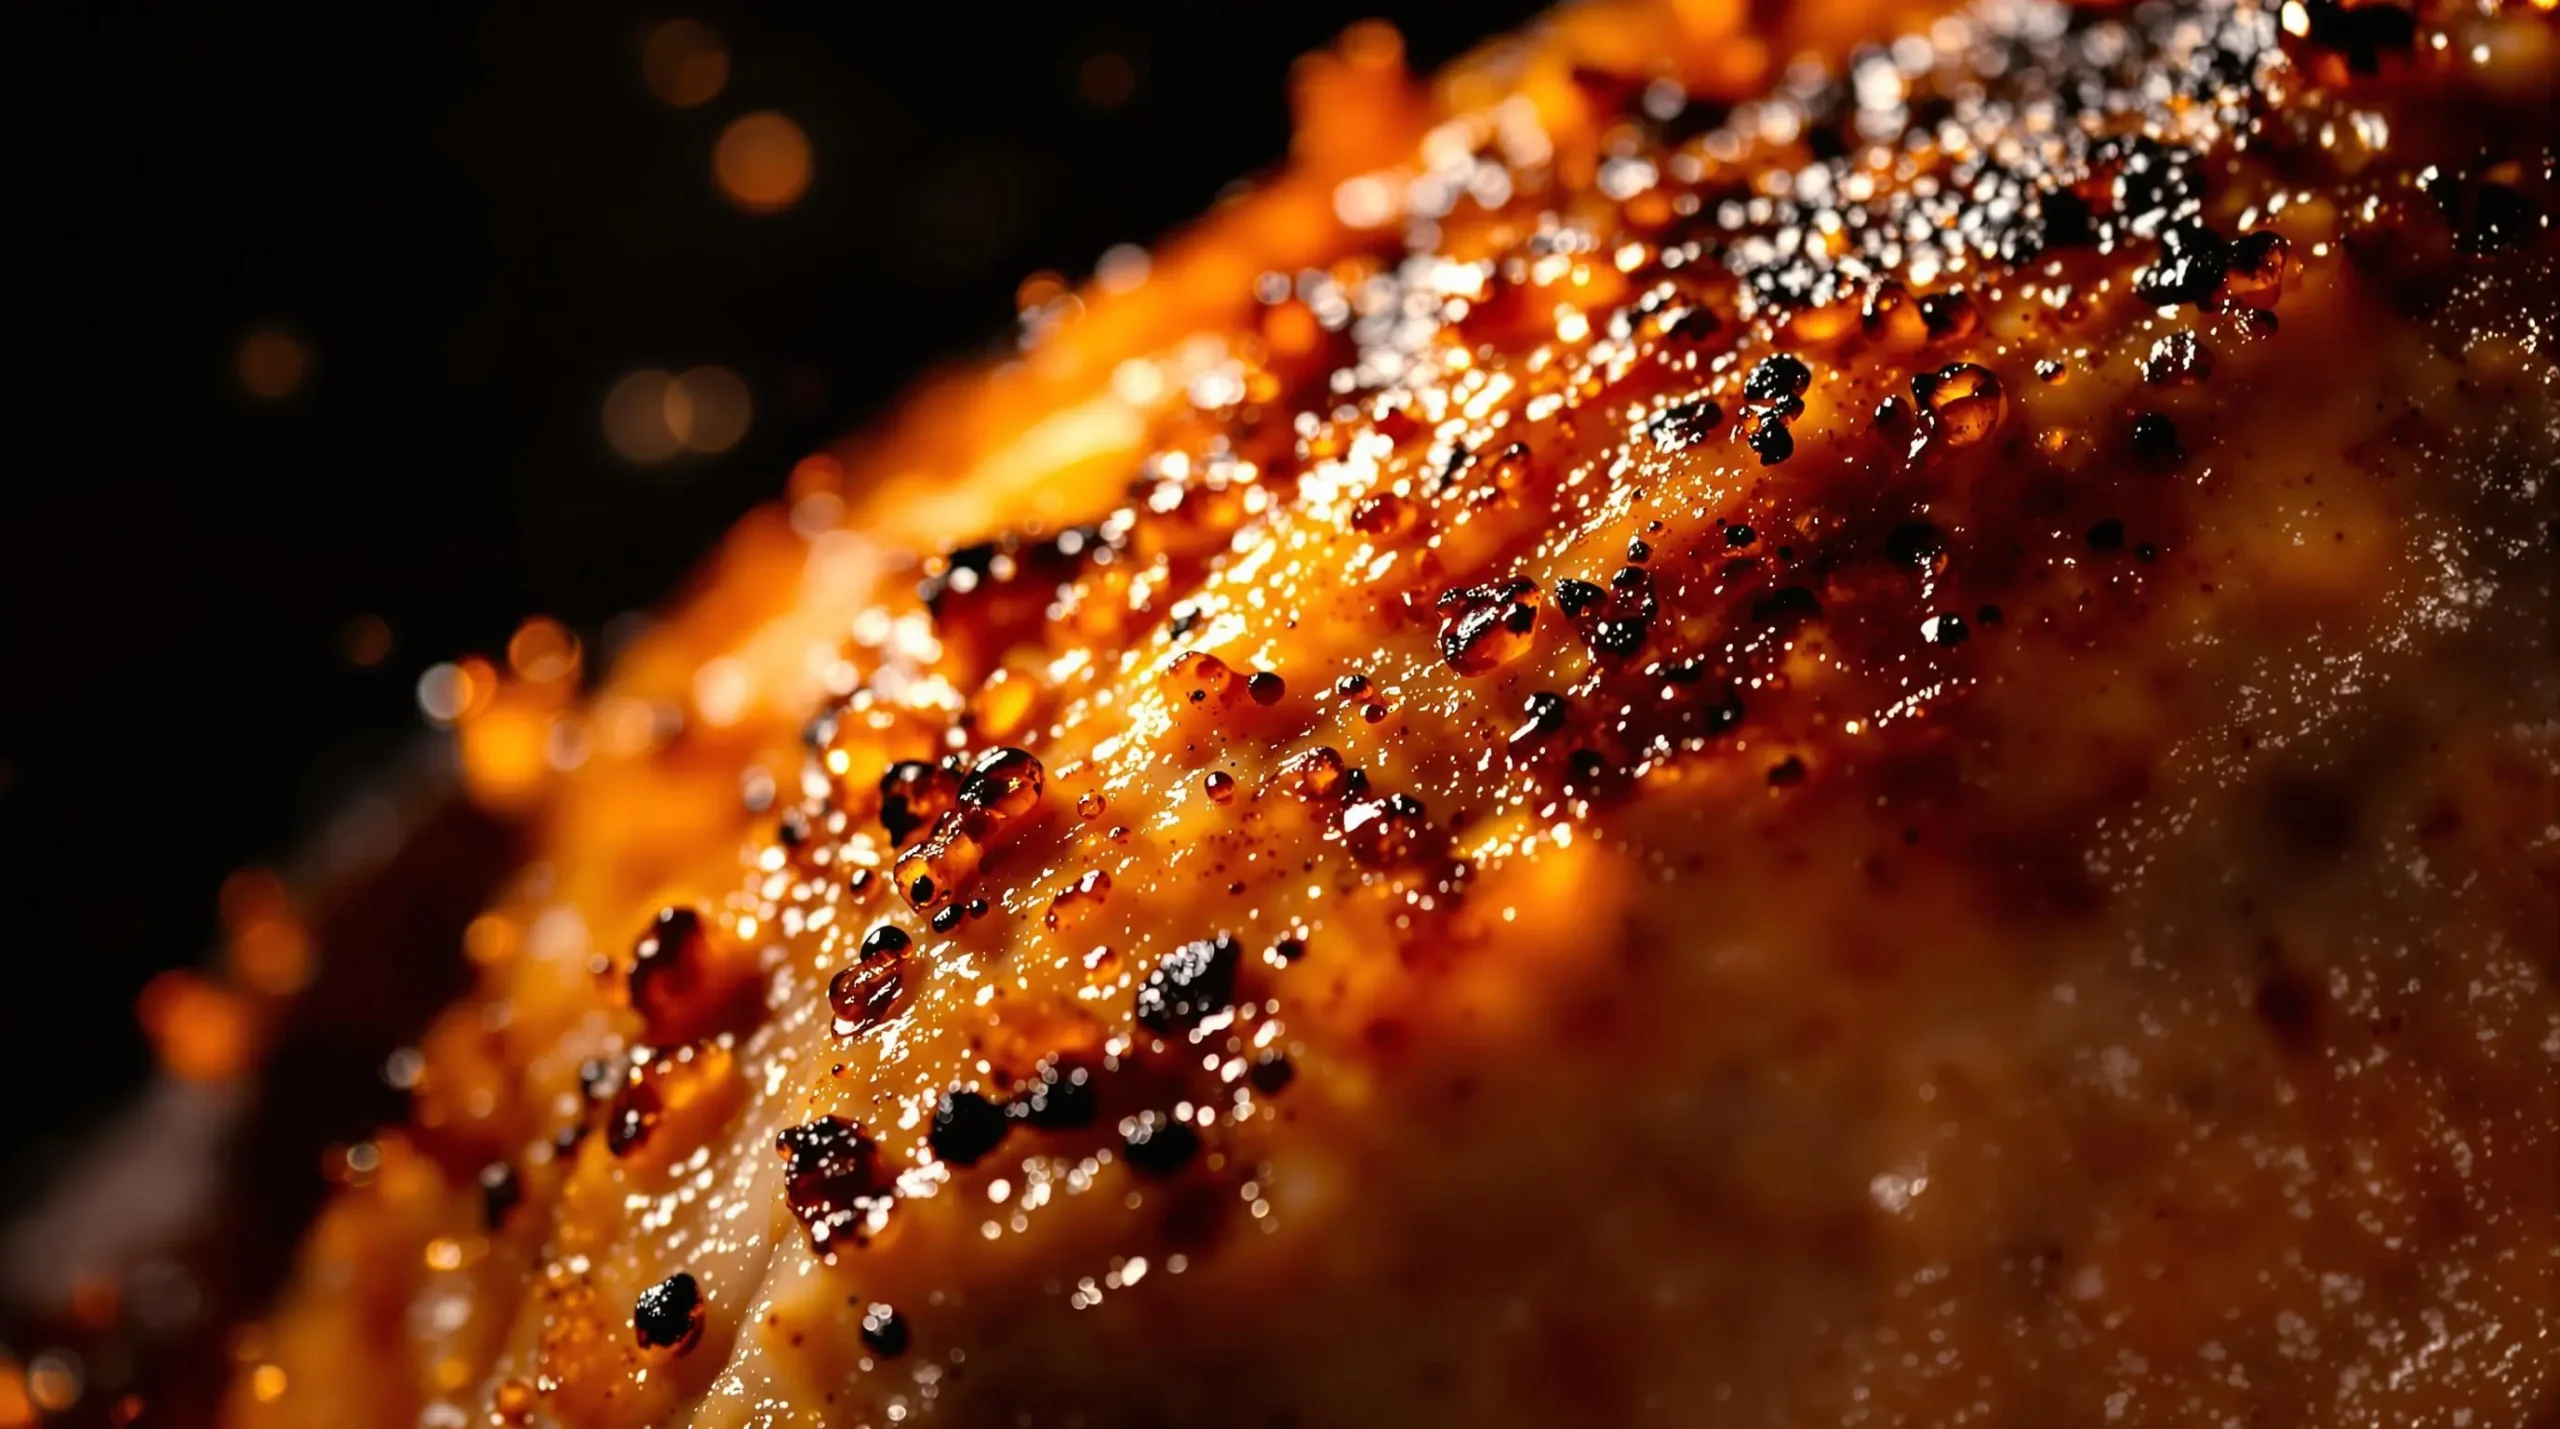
[(477, 218)]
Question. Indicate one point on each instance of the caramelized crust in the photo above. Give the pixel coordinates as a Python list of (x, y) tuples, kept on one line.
[(1886, 753)]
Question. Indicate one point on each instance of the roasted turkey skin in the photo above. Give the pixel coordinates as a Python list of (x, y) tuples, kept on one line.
[(1840, 720)]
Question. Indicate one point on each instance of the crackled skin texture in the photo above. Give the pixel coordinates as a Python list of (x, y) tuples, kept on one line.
[(2003, 867)]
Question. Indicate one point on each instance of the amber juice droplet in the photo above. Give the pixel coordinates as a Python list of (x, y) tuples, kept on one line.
[(863, 993), (1483, 628)]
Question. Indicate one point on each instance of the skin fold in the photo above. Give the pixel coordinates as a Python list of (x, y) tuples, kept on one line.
[(1670, 737)]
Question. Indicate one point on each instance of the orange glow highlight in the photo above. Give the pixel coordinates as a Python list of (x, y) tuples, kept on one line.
[(200, 1032), (684, 63), (762, 162), (272, 364)]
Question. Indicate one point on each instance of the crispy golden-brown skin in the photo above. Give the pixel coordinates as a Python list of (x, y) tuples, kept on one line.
[(1886, 756)]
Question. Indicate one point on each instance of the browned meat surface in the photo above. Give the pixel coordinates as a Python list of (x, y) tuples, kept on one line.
[(1671, 739)]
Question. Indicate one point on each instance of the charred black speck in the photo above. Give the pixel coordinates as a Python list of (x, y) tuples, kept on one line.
[(2107, 535), (1771, 440), (1578, 598), (1685, 425), (1786, 773), (947, 917), (2177, 360), (1779, 378), (668, 1315), (966, 1126), (1945, 628), (1189, 985), (2155, 440), (500, 1192), (1485, 627), (1546, 712), (2189, 268), (1157, 1146), (1738, 536)]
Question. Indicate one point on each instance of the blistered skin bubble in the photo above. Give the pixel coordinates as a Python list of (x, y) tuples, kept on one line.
[(1802, 715)]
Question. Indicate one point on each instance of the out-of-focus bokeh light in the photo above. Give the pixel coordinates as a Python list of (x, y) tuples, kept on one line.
[(543, 650), (708, 410), (54, 1380), (16, 1410), (273, 364), (1123, 266), (635, 417), (684, 63), (365, 641), (451, 692), (201, 1031), (1106, 79), (762, 162), (650, 416), (266, 948)]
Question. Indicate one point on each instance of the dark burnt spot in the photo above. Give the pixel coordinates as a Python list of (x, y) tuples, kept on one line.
[(501, 1190), (913, 794), (1578, 598), (966, 1126), (1060, 1096), (2288, 1004), (2190, 267), (1685, 425), (1786, 773), (2155, 441), (1778, 378), (2314, 815), (1189, 985), (671, 976), (999, 590), (2065, 220), (2178, 360), (2487, 216), (1738, 536), (1945, 628), (1770, 440), (2107, 535), (1270, 1072), (631, 1117), (1156, 1146), (1950, 315), (2360, 34), (669, 1315), (1787, 605), (884, 1331), (1485, 627), (832, 1179), (1544, 713), (1916, 544)]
